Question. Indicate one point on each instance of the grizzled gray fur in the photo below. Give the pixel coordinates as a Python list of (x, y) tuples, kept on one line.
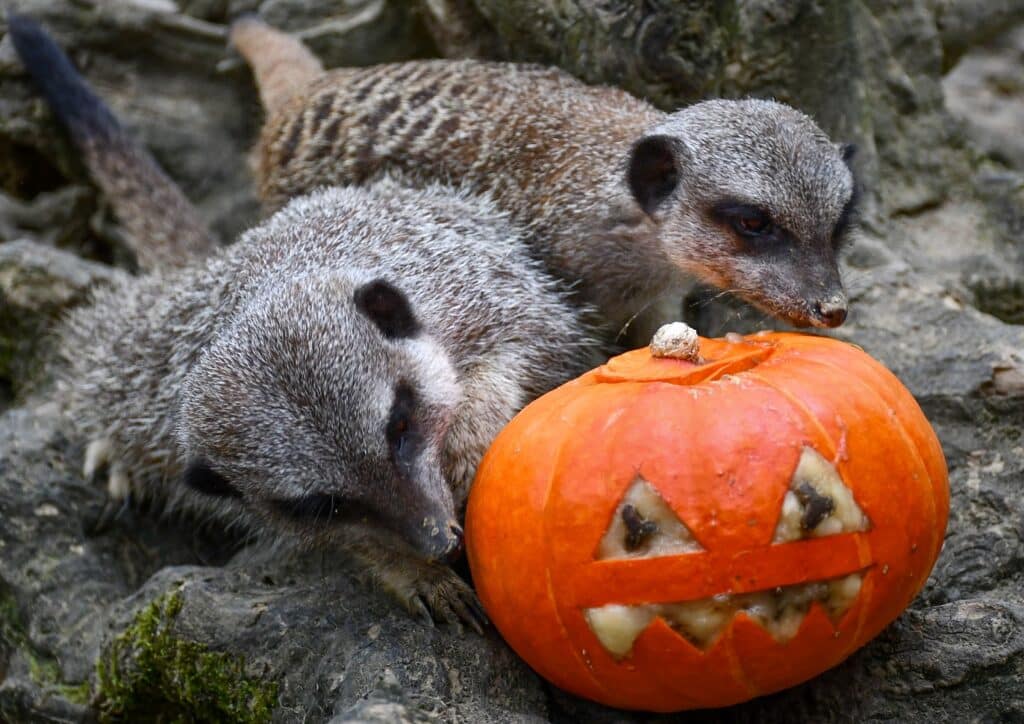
[(335, 375), (615, 195)]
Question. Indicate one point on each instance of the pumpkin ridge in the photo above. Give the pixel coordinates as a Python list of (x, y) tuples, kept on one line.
[(867, 591), (896, 419), (735, 662), (584, 665), (803, 411), (546, 515)]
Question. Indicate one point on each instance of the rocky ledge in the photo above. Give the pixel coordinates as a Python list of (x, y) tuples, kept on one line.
[(160, 619)]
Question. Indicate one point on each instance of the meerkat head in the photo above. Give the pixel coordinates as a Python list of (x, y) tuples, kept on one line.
[(753, 196), (323, 407)]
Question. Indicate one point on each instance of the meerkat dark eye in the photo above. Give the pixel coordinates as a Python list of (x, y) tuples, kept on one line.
[(755, 225), (401, 432), (202, 478), (749, 222)]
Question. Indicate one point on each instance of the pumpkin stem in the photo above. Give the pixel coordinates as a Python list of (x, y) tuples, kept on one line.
[(677, 340)]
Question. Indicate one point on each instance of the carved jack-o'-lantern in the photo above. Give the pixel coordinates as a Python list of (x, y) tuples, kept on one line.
[(665, 534)]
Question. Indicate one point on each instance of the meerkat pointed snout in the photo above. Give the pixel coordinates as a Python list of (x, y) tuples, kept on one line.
[(752, 195), (448, 541)]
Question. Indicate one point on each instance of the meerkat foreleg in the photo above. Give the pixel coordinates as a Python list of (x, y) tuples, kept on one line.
[(429, 591)]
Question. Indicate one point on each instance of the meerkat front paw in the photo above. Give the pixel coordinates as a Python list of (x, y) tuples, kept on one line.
[(433, 593), (97, 458), (99, 462)]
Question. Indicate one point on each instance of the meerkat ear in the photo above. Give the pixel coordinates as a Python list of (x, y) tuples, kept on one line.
[(203, 479), (653, 172), (388, 308), (847, 151)]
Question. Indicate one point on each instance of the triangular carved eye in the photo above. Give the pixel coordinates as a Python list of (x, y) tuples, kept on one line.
[(818, 503), (643, 526)]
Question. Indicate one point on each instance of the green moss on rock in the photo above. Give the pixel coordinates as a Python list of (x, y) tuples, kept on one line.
[(147, 671)]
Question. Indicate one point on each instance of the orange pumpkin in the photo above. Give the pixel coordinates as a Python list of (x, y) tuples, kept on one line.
[(661, 534)]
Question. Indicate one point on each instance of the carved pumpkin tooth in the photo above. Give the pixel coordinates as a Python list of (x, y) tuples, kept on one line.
[(617, 627), (842, 593)]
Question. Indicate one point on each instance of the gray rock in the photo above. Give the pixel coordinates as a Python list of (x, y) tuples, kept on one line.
[(151, 616), (37, 283), (986, 91), (170, 77)]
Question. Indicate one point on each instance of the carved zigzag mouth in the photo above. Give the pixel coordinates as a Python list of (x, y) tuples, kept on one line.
[(780, 611)]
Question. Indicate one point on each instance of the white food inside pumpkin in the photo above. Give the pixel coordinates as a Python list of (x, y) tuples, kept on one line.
[(699, 621), (841, 593), (845, 516), (671, 536), (780, 611), (617, 627)]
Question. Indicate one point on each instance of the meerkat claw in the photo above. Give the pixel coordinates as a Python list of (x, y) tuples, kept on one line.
[(469, 616), (97, 459), (464, 608), (453, 601), (119, 484), (477, 609), (418, 607), (107, 515)]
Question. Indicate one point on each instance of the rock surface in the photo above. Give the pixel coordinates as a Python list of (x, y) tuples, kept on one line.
[(156, 615), (986, 91), (37, 283)]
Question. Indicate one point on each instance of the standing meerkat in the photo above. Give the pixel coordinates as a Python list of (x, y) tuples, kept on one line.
[(335, 375), (615, 196)]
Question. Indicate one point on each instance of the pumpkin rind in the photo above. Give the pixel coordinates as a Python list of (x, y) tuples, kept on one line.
[(719, 442)]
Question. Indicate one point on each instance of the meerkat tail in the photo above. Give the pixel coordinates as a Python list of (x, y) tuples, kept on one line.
[(280, 63), (163, 226)]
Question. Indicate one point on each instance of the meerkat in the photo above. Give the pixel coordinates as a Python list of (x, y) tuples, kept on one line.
[(334, 376), (615, 196)]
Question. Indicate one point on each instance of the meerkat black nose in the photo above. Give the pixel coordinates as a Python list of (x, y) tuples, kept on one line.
[(455, 545), (832, 311)]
